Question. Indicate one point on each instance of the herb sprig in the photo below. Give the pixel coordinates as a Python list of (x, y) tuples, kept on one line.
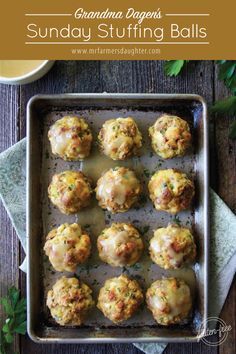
[(174, 67), (15, 310), (227, 74)]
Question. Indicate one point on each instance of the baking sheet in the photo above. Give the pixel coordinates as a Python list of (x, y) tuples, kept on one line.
[(144, 216)]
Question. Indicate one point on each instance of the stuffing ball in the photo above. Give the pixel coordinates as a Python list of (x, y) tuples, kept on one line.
[(169, 301), (171, 191), (70, 138), (67, 246), (70, 191), (170, 136), (120, 138), (120, 245), (118, 189), (172, 247), (69, 301), (119, 298)]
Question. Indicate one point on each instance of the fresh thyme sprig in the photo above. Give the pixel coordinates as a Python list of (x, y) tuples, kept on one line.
[(15, 310)]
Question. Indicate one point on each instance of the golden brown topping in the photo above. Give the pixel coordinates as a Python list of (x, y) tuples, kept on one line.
[(171, 191), (120, 245), (118, 189), (67, 246), (172, 247), (170, 136), (69, 301), (70, 191), (170, 301), (120, 138), (70, 138), (119, 298)]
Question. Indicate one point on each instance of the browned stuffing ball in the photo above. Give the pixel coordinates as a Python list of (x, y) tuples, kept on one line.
[(170, 136), (118, 190), (120, 245), (171, 191), (170, 301), (120, 138), (70, 138), (172, 247), (69, 301), (120, 298), (67, 246), (70, 191)]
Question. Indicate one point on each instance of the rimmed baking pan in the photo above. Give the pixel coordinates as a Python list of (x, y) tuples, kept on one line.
[(42, 111)]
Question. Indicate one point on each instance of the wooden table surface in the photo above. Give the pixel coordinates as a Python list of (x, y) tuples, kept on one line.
[(117, 76)]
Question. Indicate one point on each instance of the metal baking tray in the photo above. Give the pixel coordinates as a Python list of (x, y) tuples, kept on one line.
[(42, 111)]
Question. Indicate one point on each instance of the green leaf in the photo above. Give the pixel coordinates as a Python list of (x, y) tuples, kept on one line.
[(232, 132), (227, 73), (19, 318), (15, 310), (7, 306), (174, 67), (227, 106), (21, 306), (9, 338), (14, 295), (6, 327), (3, 344), (21, 329)]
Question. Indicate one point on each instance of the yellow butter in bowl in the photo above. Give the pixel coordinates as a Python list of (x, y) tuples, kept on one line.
[(23, 71)]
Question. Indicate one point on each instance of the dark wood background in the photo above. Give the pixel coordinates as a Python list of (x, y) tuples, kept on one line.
[(117, 76)]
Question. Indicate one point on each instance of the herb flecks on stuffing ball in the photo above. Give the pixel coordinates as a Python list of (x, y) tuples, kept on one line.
[(171, 191), (67, 246), (69, 301), (120, 245), (120, 138), (70, 138), (118, 190), (170, 301), (170, 136), (70, 191), (120, 298), (172, 247)]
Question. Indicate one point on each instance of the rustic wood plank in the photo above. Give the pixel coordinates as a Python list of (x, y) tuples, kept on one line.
[(226, 188), (9, 250), (225, 152)]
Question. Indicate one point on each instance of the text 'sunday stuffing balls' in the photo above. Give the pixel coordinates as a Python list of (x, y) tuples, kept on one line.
[(170, 136), (67, 246), (120, 245), (172, 247), (118, 189), (70, 138), (120, 298), (69, 301), (120, 138), (70, 191), (171, 191), (170, 301)]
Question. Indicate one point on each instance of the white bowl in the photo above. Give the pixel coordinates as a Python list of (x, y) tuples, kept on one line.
[(31, 76)]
